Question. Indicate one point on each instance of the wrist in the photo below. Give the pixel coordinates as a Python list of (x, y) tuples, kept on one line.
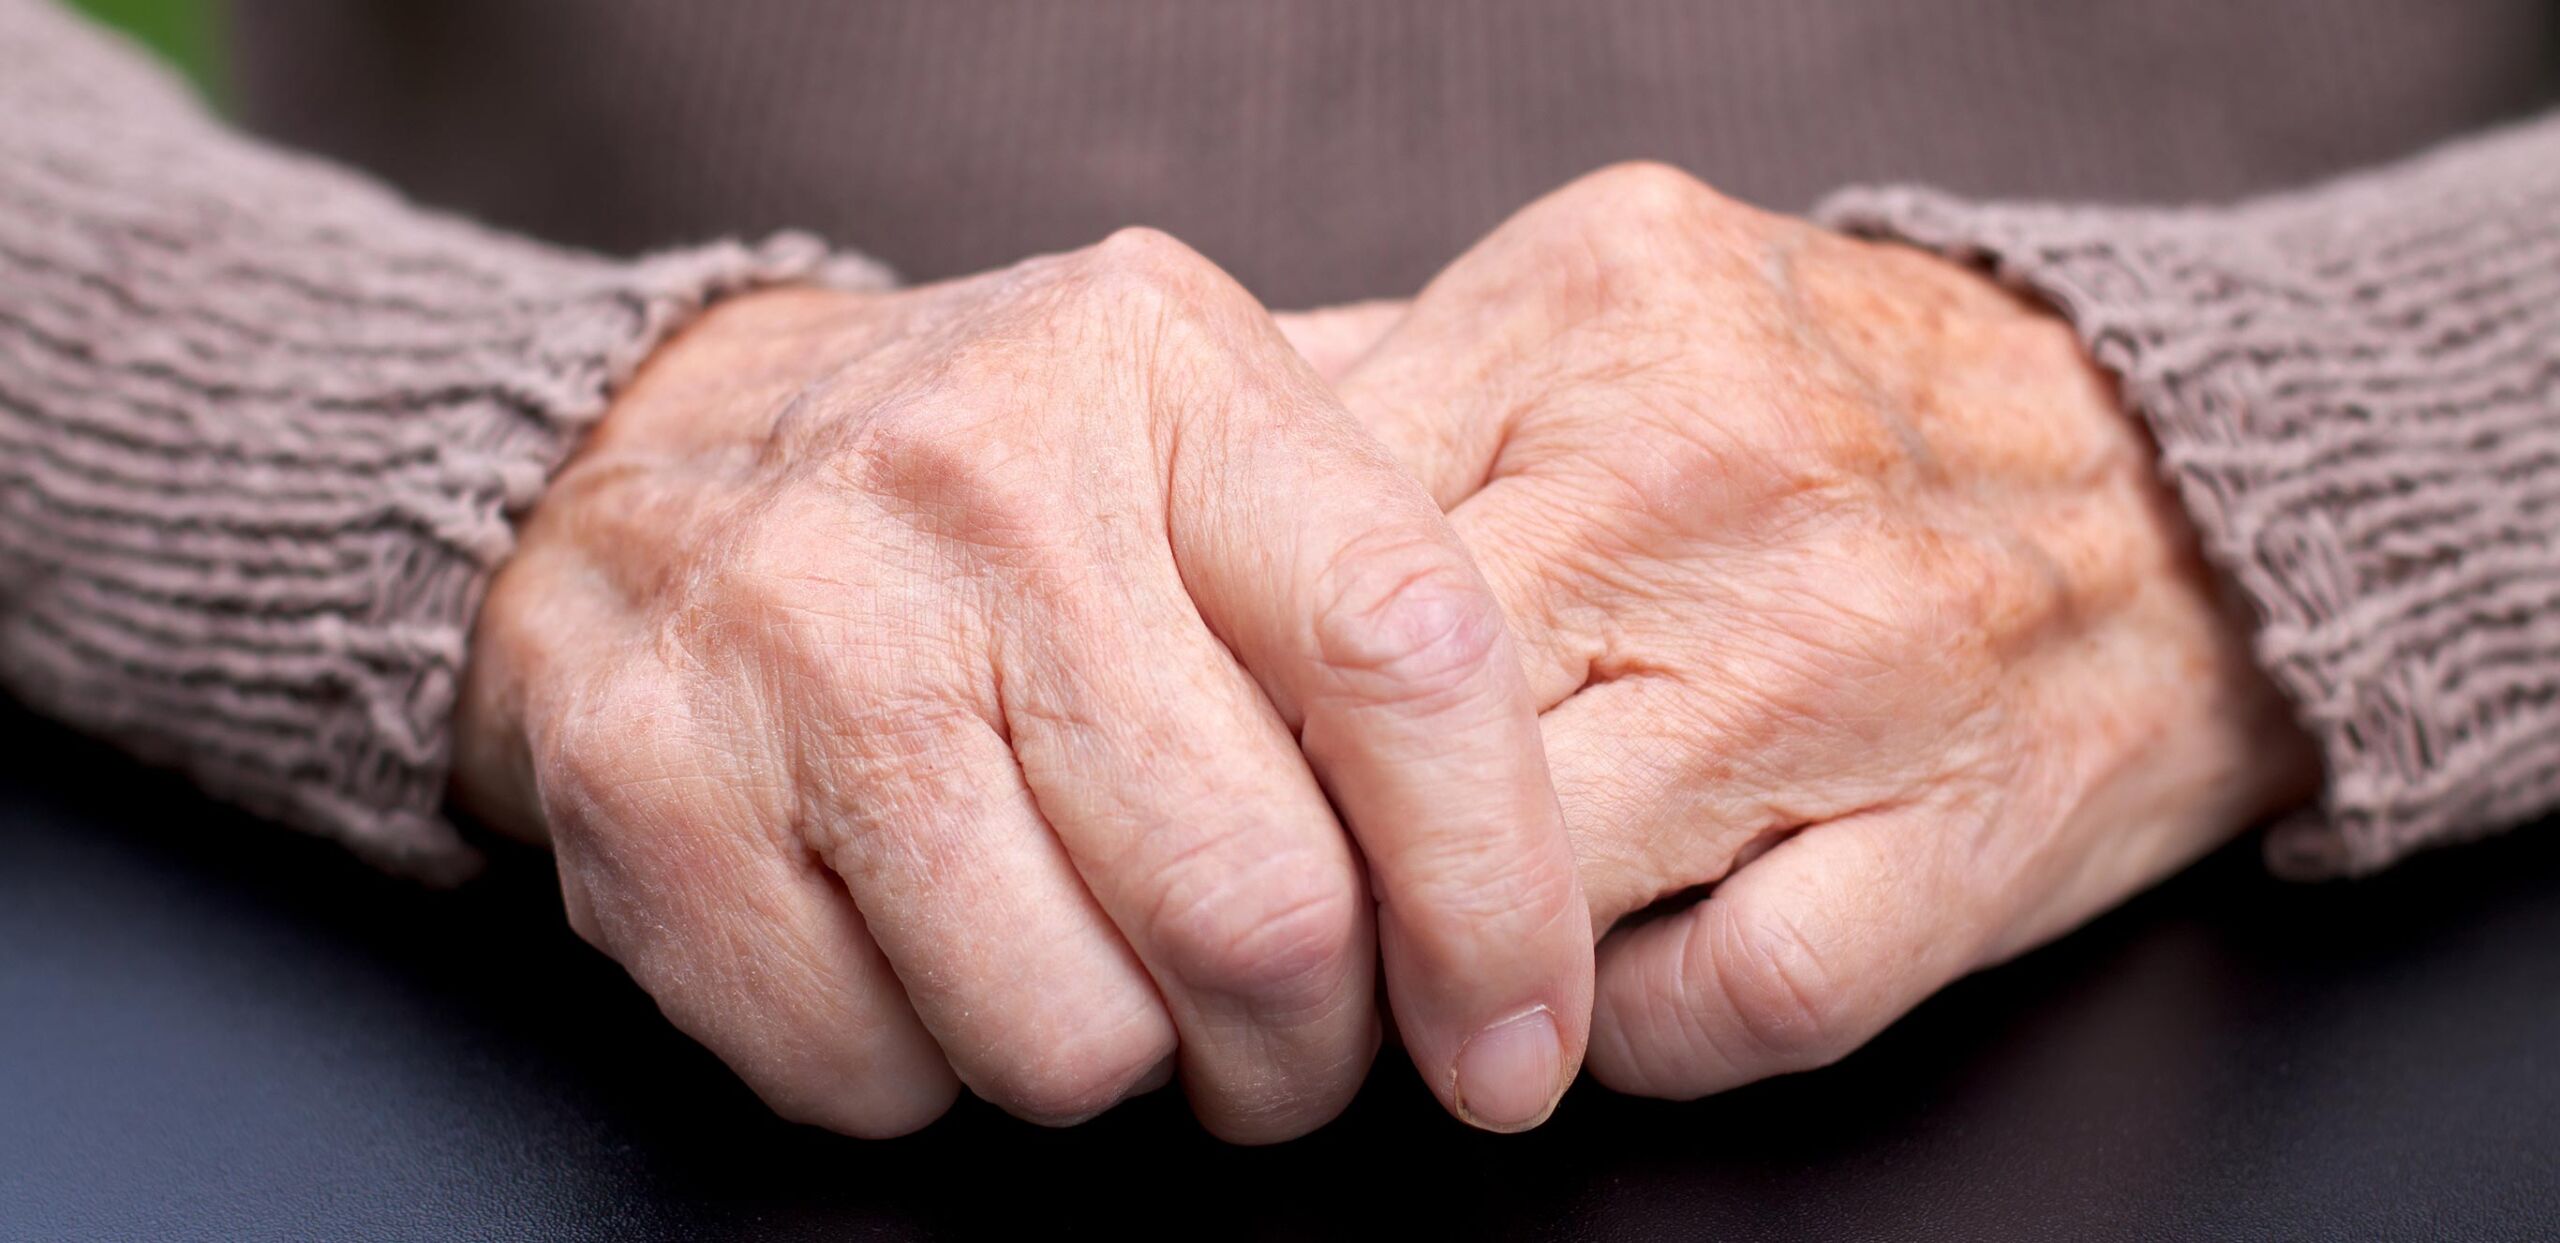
[(710, 384), (726, 375)]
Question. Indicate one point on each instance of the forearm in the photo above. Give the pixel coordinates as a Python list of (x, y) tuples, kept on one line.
[(263, 427), (2356, 390)]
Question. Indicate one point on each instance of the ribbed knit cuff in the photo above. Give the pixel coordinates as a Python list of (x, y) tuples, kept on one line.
[(263, 430), (2356, 390)]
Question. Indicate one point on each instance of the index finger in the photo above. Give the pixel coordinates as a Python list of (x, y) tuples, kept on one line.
[(1340, 586)]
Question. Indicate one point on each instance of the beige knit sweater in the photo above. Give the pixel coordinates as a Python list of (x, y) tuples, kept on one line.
[(264, 423)]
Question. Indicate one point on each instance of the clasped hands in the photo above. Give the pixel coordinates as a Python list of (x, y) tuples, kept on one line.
[(1676, 642)]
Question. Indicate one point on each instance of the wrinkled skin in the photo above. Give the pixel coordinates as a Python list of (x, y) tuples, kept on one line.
[(1847, 594), (914, 688)]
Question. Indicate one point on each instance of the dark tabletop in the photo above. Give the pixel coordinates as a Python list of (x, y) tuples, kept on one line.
[(214, 1029)]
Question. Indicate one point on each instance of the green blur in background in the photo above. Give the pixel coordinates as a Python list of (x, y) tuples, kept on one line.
[(187, 32)]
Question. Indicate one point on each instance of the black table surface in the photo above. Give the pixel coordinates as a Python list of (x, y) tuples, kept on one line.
[(213, 1029)]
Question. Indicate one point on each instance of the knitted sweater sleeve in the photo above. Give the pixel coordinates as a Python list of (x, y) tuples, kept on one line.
[(2356, 390), (262, 429)]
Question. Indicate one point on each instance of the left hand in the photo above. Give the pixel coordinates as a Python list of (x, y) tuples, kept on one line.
[(1848, 594)]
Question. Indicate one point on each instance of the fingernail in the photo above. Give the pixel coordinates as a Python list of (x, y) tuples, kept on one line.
[(1506, 1075)]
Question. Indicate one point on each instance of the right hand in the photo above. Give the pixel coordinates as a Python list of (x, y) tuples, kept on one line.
[(914, 688)]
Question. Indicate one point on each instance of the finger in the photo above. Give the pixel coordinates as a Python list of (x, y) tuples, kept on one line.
[(1447, 423), (1425, 396), (1039, 1005), (1658, 797), (1444, 384), (755, 951), (1796, 959), (1340, 586), (1333, 339), (1194, 821), (1523, 535)]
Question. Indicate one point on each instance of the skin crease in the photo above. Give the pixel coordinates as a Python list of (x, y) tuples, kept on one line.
[(957, 685), (1849, 597)]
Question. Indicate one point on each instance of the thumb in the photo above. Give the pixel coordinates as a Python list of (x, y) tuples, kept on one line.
[(1416, 383)]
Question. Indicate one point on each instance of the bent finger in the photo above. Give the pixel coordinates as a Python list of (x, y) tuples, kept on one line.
[(1339, 585), (1037, 1001), (755, 951), (1800, 957), (1194, 821)]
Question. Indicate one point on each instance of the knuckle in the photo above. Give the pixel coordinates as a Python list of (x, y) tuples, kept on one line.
[(955, 468), (1643, 219), (1792, 1010), (1169, 322), (1141, 249), (1401, 619), (1645, 192), (1147, 269), (1632, 235), (1280, 930)]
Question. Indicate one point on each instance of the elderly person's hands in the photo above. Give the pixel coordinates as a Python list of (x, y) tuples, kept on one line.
[(1848, 596), (911, 679)]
